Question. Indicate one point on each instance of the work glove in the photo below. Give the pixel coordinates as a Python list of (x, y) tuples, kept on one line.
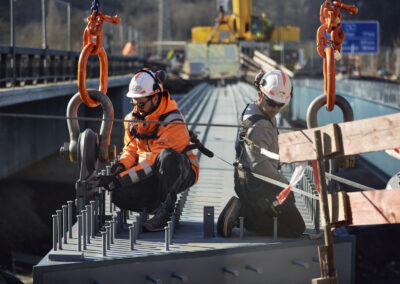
[(108, 182), (117, 168), (257, 79)]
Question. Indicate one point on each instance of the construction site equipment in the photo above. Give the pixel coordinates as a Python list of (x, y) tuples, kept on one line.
[(71, 150), (285, 34), (87, 148), (246, 26), (94, 29), (215, 60), (202, 34), (224, 32), (242, 26), (329, 50)]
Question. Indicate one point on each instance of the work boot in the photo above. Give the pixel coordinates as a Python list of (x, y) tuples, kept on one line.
[(229, 217), (161, 217), (159, 220)]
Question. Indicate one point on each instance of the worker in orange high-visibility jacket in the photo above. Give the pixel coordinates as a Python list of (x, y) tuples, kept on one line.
[(155, 164)]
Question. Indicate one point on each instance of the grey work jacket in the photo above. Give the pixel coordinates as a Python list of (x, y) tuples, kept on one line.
[(263, 133)]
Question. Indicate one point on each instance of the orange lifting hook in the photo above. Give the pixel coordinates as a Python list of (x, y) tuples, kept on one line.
[(331, 22), (94, 29)]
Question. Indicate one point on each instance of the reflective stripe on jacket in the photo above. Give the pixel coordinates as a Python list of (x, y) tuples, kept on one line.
[(140, 153)]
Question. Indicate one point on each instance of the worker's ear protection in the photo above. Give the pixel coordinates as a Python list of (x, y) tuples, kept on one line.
[(156, 85), (262, 82)]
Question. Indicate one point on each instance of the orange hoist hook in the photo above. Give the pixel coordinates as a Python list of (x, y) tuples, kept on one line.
[(329, 50), (94, 29)]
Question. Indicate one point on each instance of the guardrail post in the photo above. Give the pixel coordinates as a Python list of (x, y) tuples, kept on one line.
[(12, 43), (3, 69), (44, 43), (30, 65)]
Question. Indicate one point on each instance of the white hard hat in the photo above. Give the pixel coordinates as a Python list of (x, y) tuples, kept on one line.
[(144, 84), (277, 86)]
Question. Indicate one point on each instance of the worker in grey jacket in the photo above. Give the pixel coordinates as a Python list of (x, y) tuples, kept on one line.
[(259, 131)]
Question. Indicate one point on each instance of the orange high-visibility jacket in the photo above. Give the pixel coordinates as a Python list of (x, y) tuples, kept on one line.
[(143, 141)]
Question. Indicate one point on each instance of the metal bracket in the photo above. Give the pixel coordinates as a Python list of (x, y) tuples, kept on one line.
[(208, 222)]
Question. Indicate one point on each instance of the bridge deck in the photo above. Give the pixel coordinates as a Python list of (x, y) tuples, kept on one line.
[(205, 104)]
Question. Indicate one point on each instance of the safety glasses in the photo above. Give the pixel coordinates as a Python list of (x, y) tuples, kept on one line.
[(141, 104), (271, 103)]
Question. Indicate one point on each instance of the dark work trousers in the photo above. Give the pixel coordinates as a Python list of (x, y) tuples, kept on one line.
[(256, 197), (172, 174)]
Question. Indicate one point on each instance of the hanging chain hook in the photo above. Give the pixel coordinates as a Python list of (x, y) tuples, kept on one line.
[(329, 49), (95, 7), (94, 29)]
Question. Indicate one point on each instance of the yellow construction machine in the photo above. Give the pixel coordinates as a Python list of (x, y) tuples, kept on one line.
[(242, 24), (218, 50)]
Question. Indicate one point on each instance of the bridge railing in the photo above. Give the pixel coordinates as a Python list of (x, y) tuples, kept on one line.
[(20, 66)]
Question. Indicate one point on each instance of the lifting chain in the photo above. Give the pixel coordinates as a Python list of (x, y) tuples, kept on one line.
[(94, 29), (95, 6), (87, 148), (329, 50)]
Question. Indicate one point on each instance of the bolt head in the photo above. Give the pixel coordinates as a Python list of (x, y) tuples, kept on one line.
[(64, 151)]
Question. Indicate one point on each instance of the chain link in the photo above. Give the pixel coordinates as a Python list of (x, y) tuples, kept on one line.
[(95, 6)]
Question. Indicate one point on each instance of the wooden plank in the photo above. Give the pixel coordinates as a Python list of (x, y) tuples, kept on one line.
[(364, 208), (324, 268), (299, 144), (330, 139), (360, 136), (324, 281), (265, 58), (374, 207), (249, 65), (264, 65), (338, 209), (268, 63), (323, 260), (370, 135)]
